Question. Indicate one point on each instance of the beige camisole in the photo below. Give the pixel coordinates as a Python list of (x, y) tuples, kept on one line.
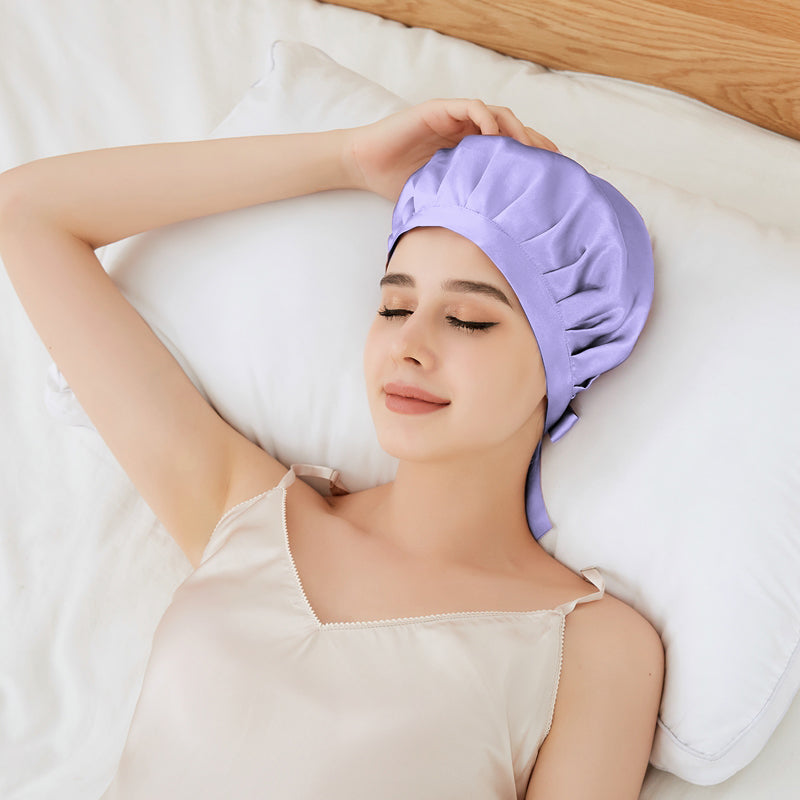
[(248, 695)]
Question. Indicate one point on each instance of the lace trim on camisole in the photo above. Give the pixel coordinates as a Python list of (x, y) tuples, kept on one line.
[(591, 574)]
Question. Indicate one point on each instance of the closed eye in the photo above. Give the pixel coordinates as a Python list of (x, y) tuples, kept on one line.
[(470, 326), (393, 312), (462, 324)]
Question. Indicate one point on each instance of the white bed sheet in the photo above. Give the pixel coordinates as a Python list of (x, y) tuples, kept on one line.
[(85, 570)]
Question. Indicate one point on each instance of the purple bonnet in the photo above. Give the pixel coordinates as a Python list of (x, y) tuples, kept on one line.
[(574, 250)]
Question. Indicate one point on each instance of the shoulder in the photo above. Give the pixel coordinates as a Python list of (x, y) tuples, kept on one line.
[(312, 507), (612, 664), (607, 638), (607, 705)]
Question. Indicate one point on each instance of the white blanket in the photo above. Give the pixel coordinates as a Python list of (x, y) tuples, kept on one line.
[(85, 569)]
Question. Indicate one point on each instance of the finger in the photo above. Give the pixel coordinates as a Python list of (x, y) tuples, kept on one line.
[(542, 141), (475, 112), (510, 125)]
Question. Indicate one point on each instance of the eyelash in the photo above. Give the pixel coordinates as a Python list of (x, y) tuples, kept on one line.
[(472, 327)]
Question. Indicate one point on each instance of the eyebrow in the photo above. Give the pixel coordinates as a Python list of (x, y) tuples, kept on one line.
[(479, 287)]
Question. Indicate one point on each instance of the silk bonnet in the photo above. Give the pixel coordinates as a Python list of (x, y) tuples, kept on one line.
[(575, 251)]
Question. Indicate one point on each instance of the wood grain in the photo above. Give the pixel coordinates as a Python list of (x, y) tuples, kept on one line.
[(742, 57)]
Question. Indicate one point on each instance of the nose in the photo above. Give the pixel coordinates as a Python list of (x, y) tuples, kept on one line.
[(413, 343)]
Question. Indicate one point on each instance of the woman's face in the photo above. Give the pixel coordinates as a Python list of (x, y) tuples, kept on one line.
[(451, 364)]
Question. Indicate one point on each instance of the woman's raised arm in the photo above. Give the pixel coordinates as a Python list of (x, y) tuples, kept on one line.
[(101, 196), (188, 464)]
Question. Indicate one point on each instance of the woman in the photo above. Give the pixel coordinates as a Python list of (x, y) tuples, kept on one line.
[(412, 640)]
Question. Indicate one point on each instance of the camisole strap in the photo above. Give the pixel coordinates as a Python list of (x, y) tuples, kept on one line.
[(591, 574), (334, 484)]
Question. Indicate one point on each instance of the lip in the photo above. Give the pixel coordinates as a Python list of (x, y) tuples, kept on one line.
[(406, 399), (414, 392)]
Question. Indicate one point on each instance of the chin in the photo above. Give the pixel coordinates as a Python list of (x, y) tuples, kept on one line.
[(423, 447), (409, 438), (406, 447)]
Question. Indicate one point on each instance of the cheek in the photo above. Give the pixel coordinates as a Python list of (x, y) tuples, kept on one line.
[(530, 383), (513, 384)]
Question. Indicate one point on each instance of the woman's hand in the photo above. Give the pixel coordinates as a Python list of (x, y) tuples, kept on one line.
[(381, 156)]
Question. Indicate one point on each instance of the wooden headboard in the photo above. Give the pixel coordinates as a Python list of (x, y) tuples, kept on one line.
[(741, 56)]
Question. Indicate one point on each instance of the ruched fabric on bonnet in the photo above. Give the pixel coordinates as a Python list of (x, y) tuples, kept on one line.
[(574, 250)]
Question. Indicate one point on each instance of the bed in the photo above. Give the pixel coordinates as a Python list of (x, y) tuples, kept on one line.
[(691, 109)]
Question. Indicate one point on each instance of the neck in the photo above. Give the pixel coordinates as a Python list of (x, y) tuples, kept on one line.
[(472, 510)]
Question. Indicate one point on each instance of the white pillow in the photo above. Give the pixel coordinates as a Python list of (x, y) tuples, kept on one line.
[(267, 308), (682, 479), (681, 482)]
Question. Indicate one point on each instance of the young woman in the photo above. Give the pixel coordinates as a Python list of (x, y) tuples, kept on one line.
[(412, 640)]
